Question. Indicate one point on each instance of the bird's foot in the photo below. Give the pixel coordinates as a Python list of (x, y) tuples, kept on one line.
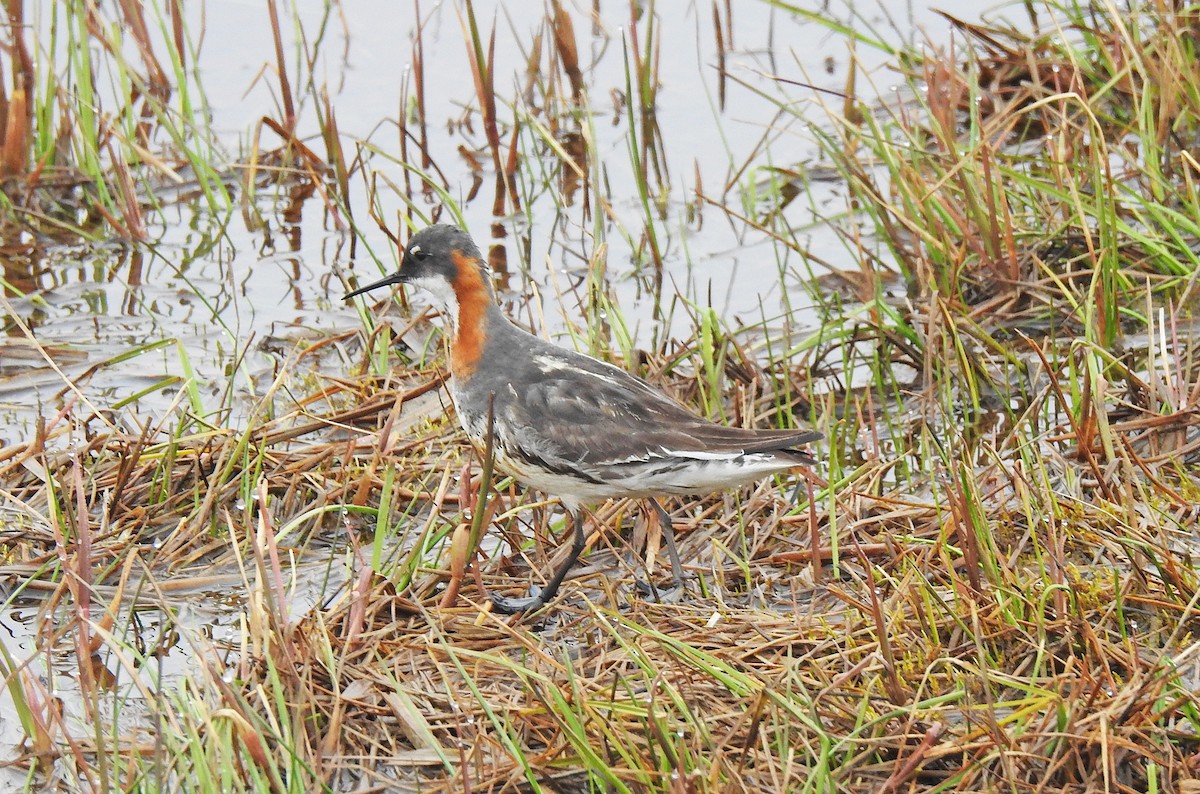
[(536, 599), (661, 595)]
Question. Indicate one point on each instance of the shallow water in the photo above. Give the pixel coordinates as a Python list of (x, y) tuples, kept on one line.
[(221, 290)]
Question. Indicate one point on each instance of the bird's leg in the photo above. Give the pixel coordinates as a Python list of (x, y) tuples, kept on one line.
[(668, 534), (668, 531), (538, 596)]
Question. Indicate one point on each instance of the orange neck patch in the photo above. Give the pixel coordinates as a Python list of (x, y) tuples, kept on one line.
[(473, 298)]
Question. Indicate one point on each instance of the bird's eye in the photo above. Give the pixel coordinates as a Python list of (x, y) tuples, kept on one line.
[(418, 254)]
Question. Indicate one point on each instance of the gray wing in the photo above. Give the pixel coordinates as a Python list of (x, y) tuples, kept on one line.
[(573, 409)]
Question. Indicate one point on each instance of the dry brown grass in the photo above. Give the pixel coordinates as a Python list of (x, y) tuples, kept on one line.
[(960, 636)]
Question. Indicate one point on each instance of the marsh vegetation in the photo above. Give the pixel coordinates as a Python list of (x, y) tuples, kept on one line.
[(237, 514)]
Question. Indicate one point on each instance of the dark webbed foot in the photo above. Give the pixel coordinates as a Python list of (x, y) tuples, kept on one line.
[(536, 599), (661, 595), (539, 596)]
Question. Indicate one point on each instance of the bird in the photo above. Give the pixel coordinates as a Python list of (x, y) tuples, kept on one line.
[(567, 424)]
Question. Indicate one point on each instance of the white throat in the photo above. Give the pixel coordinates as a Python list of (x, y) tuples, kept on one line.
[(443, 296)]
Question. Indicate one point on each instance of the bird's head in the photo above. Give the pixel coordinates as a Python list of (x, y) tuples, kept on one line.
[(445, 261)]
